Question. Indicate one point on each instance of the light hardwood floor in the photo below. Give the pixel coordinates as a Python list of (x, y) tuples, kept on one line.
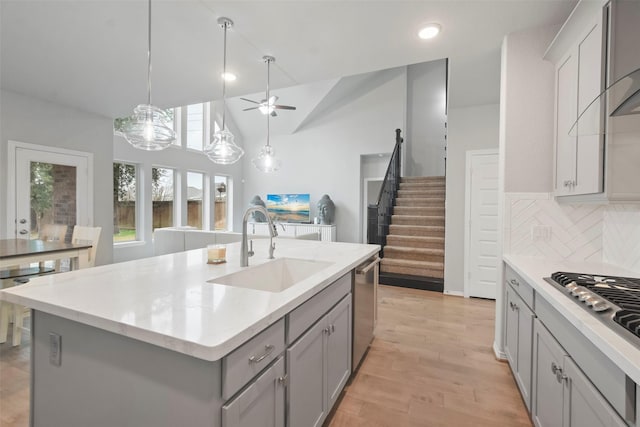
[(431, 364)]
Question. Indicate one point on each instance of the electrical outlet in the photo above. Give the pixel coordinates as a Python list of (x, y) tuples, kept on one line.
[(540, 233), (55, 346)]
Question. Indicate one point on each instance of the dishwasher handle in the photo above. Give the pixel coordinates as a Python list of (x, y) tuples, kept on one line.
[(367, 267)]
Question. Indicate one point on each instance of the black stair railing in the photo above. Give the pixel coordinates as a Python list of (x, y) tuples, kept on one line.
[(379, 214)]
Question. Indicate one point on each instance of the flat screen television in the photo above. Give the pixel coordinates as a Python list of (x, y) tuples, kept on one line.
[(289, 207)]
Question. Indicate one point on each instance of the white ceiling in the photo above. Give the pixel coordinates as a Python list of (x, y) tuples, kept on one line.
[(91, 54)]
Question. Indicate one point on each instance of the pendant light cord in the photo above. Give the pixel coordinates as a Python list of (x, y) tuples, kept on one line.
[(149, 59), (268, 105), (224, 75)]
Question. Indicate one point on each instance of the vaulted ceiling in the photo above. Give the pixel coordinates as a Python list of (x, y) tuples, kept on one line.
[(91, 54)]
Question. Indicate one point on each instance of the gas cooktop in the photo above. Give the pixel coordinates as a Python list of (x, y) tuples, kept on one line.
[(610, 297)]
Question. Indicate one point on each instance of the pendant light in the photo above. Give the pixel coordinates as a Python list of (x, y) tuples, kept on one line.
[(147, 129), (222, 150), (266, 160)]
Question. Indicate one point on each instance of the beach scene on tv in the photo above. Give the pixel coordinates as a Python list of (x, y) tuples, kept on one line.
[(288, 207)]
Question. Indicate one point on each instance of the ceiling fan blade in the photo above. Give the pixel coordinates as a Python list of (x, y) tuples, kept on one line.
[(284, 107), (251, 108), (250, 100)]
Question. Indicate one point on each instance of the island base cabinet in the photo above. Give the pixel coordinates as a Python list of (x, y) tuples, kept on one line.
[(105, 379), (262, 403), (562, 394), (319, 365)]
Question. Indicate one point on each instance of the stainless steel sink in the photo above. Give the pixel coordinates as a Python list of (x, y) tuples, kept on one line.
[(273, 276)]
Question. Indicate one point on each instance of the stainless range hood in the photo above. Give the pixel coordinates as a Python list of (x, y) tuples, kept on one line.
[(620, 99)]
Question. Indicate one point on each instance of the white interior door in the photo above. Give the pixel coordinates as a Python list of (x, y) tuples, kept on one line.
[(482, 220), (63, 168)]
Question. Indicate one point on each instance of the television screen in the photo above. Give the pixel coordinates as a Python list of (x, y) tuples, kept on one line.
[(289, 207)]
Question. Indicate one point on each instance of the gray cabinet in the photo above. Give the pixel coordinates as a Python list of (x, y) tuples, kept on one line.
[(562, 395), (579, 80), (518, 341), (319, 365), (262, 403)]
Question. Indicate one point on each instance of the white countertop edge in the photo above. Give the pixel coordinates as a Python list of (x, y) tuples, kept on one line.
[(195, 349), (624, 354)]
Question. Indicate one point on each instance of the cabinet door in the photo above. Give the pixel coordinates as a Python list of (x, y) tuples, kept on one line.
[(306, 367), (583, 404), (525, 351), (589, 146), (566, 114), (262, 403), (338, 349), (547, 387), (511, 330)]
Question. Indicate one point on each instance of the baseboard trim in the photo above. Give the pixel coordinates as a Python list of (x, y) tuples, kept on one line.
[(500, 355), (414, 282), (454, 293)]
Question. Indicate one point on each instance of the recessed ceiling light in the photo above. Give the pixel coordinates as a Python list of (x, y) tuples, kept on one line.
[(230, 77), (429, 31)]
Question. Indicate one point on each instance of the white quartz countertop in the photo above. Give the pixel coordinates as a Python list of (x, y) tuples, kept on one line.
[(167, 301), (624, 354)]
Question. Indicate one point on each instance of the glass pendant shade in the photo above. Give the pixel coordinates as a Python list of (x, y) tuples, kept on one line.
[(266, 160), (148, 130), (222, 149)]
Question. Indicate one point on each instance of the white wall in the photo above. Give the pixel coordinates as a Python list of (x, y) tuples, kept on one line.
[(426, 117), (30, 120), (324, 155), (470, 128)]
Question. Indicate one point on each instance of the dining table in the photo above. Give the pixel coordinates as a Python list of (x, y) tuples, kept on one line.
[(17, 252)]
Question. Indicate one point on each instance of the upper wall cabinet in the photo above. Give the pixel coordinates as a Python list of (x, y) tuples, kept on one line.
[(592, 162)]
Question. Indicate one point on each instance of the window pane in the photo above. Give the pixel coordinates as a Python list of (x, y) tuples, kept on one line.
[(195, 192), (221, 212), (175, 123), (195, 126), (53, 200), (124, 202), (162, 197)]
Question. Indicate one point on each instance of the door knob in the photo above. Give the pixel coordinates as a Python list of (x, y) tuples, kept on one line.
[(23, 231), (23, 221)]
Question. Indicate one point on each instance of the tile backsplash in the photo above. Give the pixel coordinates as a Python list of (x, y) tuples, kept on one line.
[(535, 224)]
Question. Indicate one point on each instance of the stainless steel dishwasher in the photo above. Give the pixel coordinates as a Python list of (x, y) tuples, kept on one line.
[(365, 299)]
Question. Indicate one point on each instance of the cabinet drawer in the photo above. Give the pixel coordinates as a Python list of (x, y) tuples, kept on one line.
[(520, 285), (303, 317), (239, 367)]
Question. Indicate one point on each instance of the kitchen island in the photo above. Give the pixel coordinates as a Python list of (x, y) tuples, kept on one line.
[(156, 342)]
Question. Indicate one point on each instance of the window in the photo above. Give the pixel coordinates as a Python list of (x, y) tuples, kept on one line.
[(221, 187), (195, 197), (195, 126), (124, 202), (174, 115), (162, 190)]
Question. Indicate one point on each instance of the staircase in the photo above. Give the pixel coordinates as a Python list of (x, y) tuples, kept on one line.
[(414, 252)]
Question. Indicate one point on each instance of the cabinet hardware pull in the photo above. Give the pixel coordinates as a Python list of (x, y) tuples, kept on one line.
[(554, 367), (333, 328), (268, 349), (283, 380), (327, 331), (514, 282)]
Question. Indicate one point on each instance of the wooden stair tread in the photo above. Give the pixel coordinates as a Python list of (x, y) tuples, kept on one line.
[(418, 238), (422, 217), (429, 251), (420, 227), (411, 263)]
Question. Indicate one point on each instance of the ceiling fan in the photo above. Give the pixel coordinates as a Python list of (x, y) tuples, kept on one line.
[(268, 104)]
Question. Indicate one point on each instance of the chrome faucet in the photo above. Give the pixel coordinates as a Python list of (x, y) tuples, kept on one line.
[(273, 232)]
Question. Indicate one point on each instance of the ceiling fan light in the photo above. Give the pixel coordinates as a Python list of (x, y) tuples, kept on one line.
[(267, 161), (148, 129), (222, 150), (266, 109)]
